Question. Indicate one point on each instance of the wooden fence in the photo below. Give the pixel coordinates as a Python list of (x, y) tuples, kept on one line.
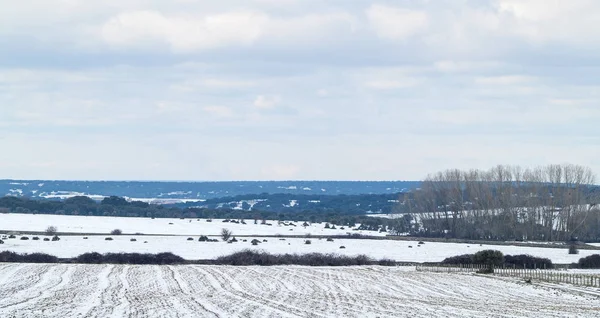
[(552, 276)]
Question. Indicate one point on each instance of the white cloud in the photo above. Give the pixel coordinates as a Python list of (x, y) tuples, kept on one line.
[(311, 27), (393, 84), (505, 80), (211, 83), (267, 101), (218, 111), (450, 66), (184, 33), (396, 23)]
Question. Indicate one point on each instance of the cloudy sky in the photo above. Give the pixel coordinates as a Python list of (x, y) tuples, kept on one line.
[(295, 89)]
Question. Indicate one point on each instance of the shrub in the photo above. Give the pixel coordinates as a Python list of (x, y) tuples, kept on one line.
[(342, 247), (35, 238), (39, 258), (8, 256), (233, 240), (90, 258), (249, 257), (255, 242), (51, 230), (226, 234), (527, 261), (13, 257), (459, 259), (190, 238), (329, 239), (386, 262), (489, 257), (1, 242), (133, 240), (46, 239), (592, 261), (85, 237), (55, 238), (116, 232), (168, 259), (307, 242), (24, 238), (573, 249), (12, 236), (203, 238), (108, 239)]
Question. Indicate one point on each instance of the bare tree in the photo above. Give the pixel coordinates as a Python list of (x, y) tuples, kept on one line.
[(51, 230), (554, 202), (226, 234)]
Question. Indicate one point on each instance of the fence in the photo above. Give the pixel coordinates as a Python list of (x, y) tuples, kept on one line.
[(552, 276)]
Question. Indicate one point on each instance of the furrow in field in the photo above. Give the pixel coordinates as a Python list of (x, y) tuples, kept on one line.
[(109, 297), (43, 277), (222, 276)]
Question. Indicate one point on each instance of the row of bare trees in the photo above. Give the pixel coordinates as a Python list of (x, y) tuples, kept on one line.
[(554, 202)]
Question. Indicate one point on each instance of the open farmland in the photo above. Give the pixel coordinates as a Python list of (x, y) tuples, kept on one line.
[(28, 290), (402, 251), (165, 226), (173, 238)]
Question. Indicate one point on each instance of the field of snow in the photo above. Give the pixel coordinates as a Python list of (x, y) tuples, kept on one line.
[(103, 224), (71, 246), (36, 290)]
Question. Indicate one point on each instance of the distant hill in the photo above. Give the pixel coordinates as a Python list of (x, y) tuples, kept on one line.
[(177, 192)]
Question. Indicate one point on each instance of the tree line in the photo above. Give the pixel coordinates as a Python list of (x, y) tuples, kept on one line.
[(547, 203), (117, 206)]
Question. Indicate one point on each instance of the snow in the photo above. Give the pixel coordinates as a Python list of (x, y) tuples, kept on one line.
[(69, 194), (72, 290), (17, 192), (105, 224), (167, 237), (71, 246)]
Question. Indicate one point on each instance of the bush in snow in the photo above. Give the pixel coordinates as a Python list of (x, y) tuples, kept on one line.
[(489, 257), (592, 261), (573, 249), (464, 259), (116, 232), (527, 261), (89, 258), (250, 257)]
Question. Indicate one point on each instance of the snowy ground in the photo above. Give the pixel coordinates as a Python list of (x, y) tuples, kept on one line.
[(30, 290), (103, 224), (70, 246)]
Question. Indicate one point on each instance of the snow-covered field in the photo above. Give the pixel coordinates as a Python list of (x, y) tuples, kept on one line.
[(32, 290), (104, 224), (71, 246)]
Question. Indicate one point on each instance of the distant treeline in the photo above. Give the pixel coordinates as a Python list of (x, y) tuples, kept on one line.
[(548, 203), (116, 206), (285, 202)]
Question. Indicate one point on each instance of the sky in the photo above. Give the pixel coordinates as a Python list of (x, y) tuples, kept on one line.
[(295, 89)]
